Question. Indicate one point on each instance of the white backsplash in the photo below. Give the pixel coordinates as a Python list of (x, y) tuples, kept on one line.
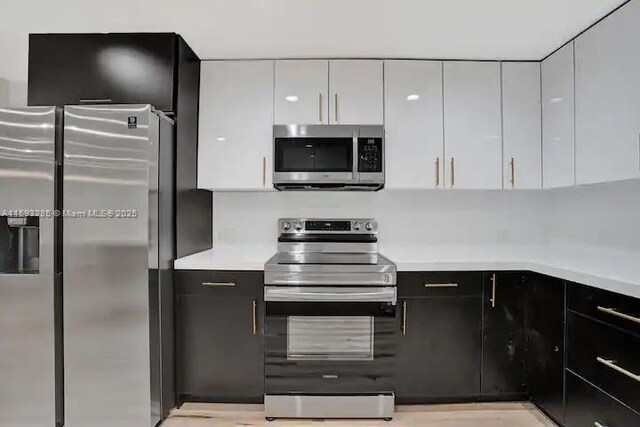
[(597, 223), (409, 221)]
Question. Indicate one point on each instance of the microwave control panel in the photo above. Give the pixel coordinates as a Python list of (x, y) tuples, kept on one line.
[(370, 155)]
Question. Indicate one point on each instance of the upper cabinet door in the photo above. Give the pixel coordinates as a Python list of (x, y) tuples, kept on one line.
[(413, 124), (356, 91), (521, 116), (302, 92), (558, 119), (608, 98), (236, 125), (472, 125), (69, 69)]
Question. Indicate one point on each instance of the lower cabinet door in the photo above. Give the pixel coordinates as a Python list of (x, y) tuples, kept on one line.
[(219, 337), (587, 406), (439, 349), (545, 363), (504, 334)]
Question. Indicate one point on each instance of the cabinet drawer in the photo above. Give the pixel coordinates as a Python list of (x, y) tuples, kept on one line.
[(188, 282), (439, 284), (605, 356), (588, 406), (610, 307)]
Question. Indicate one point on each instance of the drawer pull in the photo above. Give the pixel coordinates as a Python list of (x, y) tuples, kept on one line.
[(615, 312), (597, 424), (404, 318), (440, 285), (254, 314), (612, 364), (219, 284)]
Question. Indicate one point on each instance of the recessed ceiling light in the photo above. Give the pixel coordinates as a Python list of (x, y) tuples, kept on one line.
[(221, 138), (292, 98), (555, 100), (413, 97)]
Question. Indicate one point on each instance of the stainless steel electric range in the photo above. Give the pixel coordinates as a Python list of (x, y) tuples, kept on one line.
[(331, 326)]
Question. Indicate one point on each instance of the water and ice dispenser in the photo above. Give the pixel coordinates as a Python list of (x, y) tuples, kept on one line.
[(19, 245)]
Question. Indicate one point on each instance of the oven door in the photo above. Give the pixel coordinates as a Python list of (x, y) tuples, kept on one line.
[(330, 340)]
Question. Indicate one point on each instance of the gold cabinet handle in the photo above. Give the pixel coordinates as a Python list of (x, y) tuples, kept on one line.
[(612, 364), (440, 285), (512, 165), (254, 306), (335, 111), (219, 284), (453, 172), (493, 290), (320, 108), (615, 312), (437, 172), (264, 172), (404, 318)]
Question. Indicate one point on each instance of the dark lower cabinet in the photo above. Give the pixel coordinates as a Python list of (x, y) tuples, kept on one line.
[(546, 329), (440, 341), (588, 406), (219, 336), (504, 346)]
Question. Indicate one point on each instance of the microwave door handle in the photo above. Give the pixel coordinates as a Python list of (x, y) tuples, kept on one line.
[(355, 175)]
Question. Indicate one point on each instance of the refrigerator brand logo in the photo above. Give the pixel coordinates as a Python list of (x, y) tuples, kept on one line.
[(132, 122)]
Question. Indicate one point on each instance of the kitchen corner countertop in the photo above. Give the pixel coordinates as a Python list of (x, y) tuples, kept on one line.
[(575, 269)]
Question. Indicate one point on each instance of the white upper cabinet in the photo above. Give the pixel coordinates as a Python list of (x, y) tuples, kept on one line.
[(236, 125), (472, 125), (302, 92), (413, 124), (521, 125), (558, 119), (356, 92), (607, 59)]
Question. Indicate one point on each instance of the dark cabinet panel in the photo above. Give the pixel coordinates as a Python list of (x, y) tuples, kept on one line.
[(588, 406), (439, 284), (605, 356), (616, 309), (439, 349), (545, 362), (220, 353), (504, 334), (67, 69)]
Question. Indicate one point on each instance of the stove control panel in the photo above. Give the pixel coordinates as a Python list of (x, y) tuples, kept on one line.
[(328, 226)]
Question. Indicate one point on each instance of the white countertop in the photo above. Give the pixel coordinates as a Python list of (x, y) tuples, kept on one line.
[(611, 270)]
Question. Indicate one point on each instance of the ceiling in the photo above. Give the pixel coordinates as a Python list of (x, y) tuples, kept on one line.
[(460, 29)]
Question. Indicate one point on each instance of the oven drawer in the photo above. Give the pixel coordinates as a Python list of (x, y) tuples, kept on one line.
[(588, 406), (610, 307), (439, 284), (606, 356)]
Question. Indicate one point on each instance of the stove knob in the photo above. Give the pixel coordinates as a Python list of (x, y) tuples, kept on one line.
[(286, 226), (298, 226), (369, 226), (356, 226)]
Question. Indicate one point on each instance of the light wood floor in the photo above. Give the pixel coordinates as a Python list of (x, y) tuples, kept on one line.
[(458, 415)]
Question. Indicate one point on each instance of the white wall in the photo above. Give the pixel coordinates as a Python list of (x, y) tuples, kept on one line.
[(440, 225), (4, 92), (597, 226), (594, 229)]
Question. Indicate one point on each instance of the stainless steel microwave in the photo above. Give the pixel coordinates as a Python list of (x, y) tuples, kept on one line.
[(328, 157)]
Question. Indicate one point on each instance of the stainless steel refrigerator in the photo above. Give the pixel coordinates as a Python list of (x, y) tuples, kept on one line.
[(30, 304), (117, 264)]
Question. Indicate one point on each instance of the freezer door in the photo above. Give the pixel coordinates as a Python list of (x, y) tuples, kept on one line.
[(27, 270), (110, 265)]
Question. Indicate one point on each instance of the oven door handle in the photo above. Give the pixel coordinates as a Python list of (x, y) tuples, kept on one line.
[(330, 294)]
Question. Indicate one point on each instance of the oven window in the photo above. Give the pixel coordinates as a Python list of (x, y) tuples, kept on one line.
[(330, 337), (314, 154)]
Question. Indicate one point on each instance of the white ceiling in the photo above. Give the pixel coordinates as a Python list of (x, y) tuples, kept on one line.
[(463, 29)]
